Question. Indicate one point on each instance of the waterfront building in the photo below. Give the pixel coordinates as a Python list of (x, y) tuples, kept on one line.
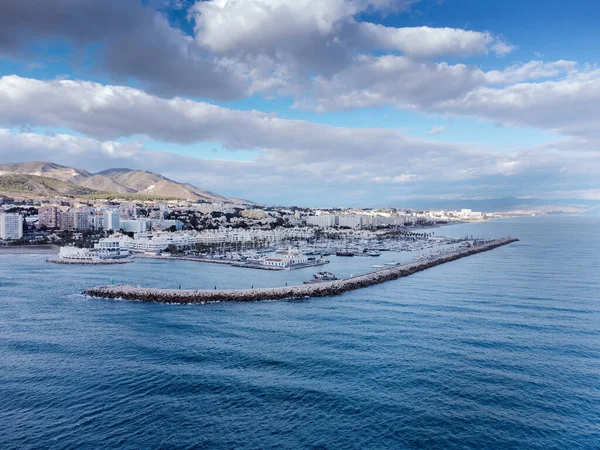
[(75, 254), (147, 242), (238, 235), (290, 258), (112, 247), (11, 226)]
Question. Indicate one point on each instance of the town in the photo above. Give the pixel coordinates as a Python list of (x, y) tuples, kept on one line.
[(112, 229)]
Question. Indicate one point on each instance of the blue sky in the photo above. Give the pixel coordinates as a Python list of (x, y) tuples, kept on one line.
[(354, 102)]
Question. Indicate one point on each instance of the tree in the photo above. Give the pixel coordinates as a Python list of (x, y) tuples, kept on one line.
[(127, 233), (172, 249)]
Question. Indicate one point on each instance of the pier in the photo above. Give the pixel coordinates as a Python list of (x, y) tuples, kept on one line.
[(128, 292)]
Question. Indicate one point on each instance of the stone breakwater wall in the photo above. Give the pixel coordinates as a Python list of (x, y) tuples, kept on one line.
[(102, 262), (128, 292)]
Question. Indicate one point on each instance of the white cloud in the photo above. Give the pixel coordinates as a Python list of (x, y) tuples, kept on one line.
[(565, 106), (266, 47), (110, 112), (427, 42), (392, 80), (532, 70), (125, 39), (437, 130)]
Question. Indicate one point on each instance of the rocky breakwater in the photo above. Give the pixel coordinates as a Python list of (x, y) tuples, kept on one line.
[(128, 292)]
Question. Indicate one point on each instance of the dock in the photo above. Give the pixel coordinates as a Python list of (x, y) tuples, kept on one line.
[(235, 263), (336, 287)]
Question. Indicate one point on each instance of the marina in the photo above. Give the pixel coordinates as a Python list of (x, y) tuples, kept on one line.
[(335, 287)]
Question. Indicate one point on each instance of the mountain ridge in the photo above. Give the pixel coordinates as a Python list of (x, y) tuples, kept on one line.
[(117, 180)]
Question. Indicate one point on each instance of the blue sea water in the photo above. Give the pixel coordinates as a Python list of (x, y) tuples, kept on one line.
[(499, 350)]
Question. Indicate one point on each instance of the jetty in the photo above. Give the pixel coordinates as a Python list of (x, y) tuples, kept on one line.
[(336, 287)]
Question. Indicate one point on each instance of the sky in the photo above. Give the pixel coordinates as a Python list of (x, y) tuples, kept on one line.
[(311, 102)]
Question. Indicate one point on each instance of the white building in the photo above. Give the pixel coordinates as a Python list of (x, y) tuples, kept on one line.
[(11, 226), (146, 242), (112, 247), (288, 259), (322, 221), (350, 221), (239, 235), (134, 225), (75, 254), (112, 219)]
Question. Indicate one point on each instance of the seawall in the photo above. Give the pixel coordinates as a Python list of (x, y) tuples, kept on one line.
[(128, 292)]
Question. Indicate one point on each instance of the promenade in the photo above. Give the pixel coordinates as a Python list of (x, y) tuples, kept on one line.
[(128, 292)]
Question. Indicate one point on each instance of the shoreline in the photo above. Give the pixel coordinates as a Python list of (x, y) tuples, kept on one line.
[(41, 249), (187, 296), (97, 262)]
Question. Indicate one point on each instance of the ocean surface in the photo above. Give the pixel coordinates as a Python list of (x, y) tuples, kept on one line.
[(499, 350)]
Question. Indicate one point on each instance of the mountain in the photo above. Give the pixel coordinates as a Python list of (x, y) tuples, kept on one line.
[(122, 181), (34, 185), (45, 169)]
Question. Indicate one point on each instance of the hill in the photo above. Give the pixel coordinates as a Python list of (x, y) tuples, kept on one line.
[(122, 181), (34, 185)]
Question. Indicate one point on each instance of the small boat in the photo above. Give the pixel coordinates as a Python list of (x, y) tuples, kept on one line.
[(391, 263), (345, 253), (374, 253), (327, 276), (377, 266), (321, 277)]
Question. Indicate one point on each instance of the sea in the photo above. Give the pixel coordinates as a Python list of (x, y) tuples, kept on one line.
[(500, 350)]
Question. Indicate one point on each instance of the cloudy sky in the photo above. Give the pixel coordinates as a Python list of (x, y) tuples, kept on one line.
[(317, 102)]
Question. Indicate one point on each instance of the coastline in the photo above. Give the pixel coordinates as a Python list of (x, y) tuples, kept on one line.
[(42, 249)]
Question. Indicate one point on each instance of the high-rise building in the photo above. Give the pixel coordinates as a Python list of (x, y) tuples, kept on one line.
[(350, 220), (67, 220), (11, 226), (82, 220), (322, 221), (49, 216), (135, 225), (112, 219)]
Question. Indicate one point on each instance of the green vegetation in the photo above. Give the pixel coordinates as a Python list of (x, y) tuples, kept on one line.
[(42, 186), (34, 185), (99, 195)]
